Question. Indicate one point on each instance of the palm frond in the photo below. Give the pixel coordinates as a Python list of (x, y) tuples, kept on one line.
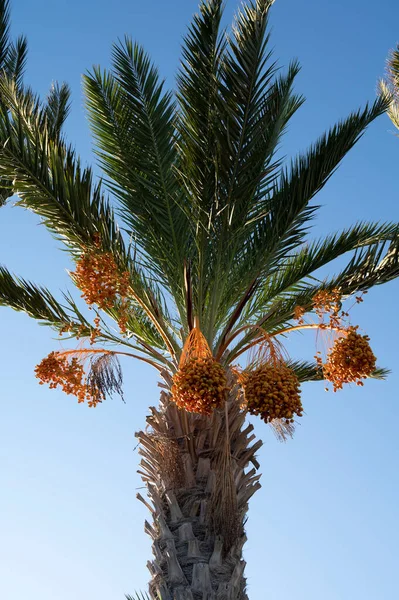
[(198, 119), (393, 68), (288, 212), (310, 371), (371, 265), (38, 303), (4, 29), (49, 180), (287, 209), (389, 88), (15, 60), (306, 370), (380, 373), (198, 90), (132, 121), (48, 177), (297, 272), (57, 108), (254, 108), (12, 64)]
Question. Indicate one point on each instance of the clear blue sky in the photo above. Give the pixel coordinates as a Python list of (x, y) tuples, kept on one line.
[(324, 526)]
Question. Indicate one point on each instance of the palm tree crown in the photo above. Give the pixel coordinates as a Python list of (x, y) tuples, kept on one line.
[(216, 225)]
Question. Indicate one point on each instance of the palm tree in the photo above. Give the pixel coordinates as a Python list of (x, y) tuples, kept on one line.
[(391, 86), (213, 262)]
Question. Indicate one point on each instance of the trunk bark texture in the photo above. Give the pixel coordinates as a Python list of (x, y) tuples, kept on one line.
[(199, 484)]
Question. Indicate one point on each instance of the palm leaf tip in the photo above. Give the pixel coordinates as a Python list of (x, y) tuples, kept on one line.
[(24, 296), (15, 61), (380, 373), (58, 108)]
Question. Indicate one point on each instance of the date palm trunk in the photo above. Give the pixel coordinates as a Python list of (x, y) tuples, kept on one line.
[(199, 484)]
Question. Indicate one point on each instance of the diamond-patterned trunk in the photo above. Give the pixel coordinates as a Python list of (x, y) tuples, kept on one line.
[(198, 480)]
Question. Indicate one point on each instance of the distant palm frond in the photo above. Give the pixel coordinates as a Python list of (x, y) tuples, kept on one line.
[(389, 87)]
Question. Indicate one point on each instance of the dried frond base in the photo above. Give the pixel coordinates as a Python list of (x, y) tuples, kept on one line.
[(169, 459)]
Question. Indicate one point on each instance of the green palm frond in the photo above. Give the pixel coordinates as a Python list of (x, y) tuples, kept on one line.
[(272, 239), (138, 596), (299, 270), (4, 29), (198, 121), (287, 208), (369, 267), (57, 109), (254, 107), (380, 373), (306, 370), (12, 64), (198, 85), (372, 264), (132, 120), (15, 61), (38, 303), (393, 68), (310, 371), (49, 180)]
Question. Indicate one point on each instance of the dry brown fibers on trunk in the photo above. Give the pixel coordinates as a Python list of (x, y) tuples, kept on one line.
[(199, 484)]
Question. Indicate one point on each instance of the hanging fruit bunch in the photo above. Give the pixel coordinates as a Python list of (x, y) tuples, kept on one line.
[(65, 370), (350, 360), (200, 383), (103, 283), (271, 389), (327, 303)]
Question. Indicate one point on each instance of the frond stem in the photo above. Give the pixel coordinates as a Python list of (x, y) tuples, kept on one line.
[(113, 352), (306, 326)]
